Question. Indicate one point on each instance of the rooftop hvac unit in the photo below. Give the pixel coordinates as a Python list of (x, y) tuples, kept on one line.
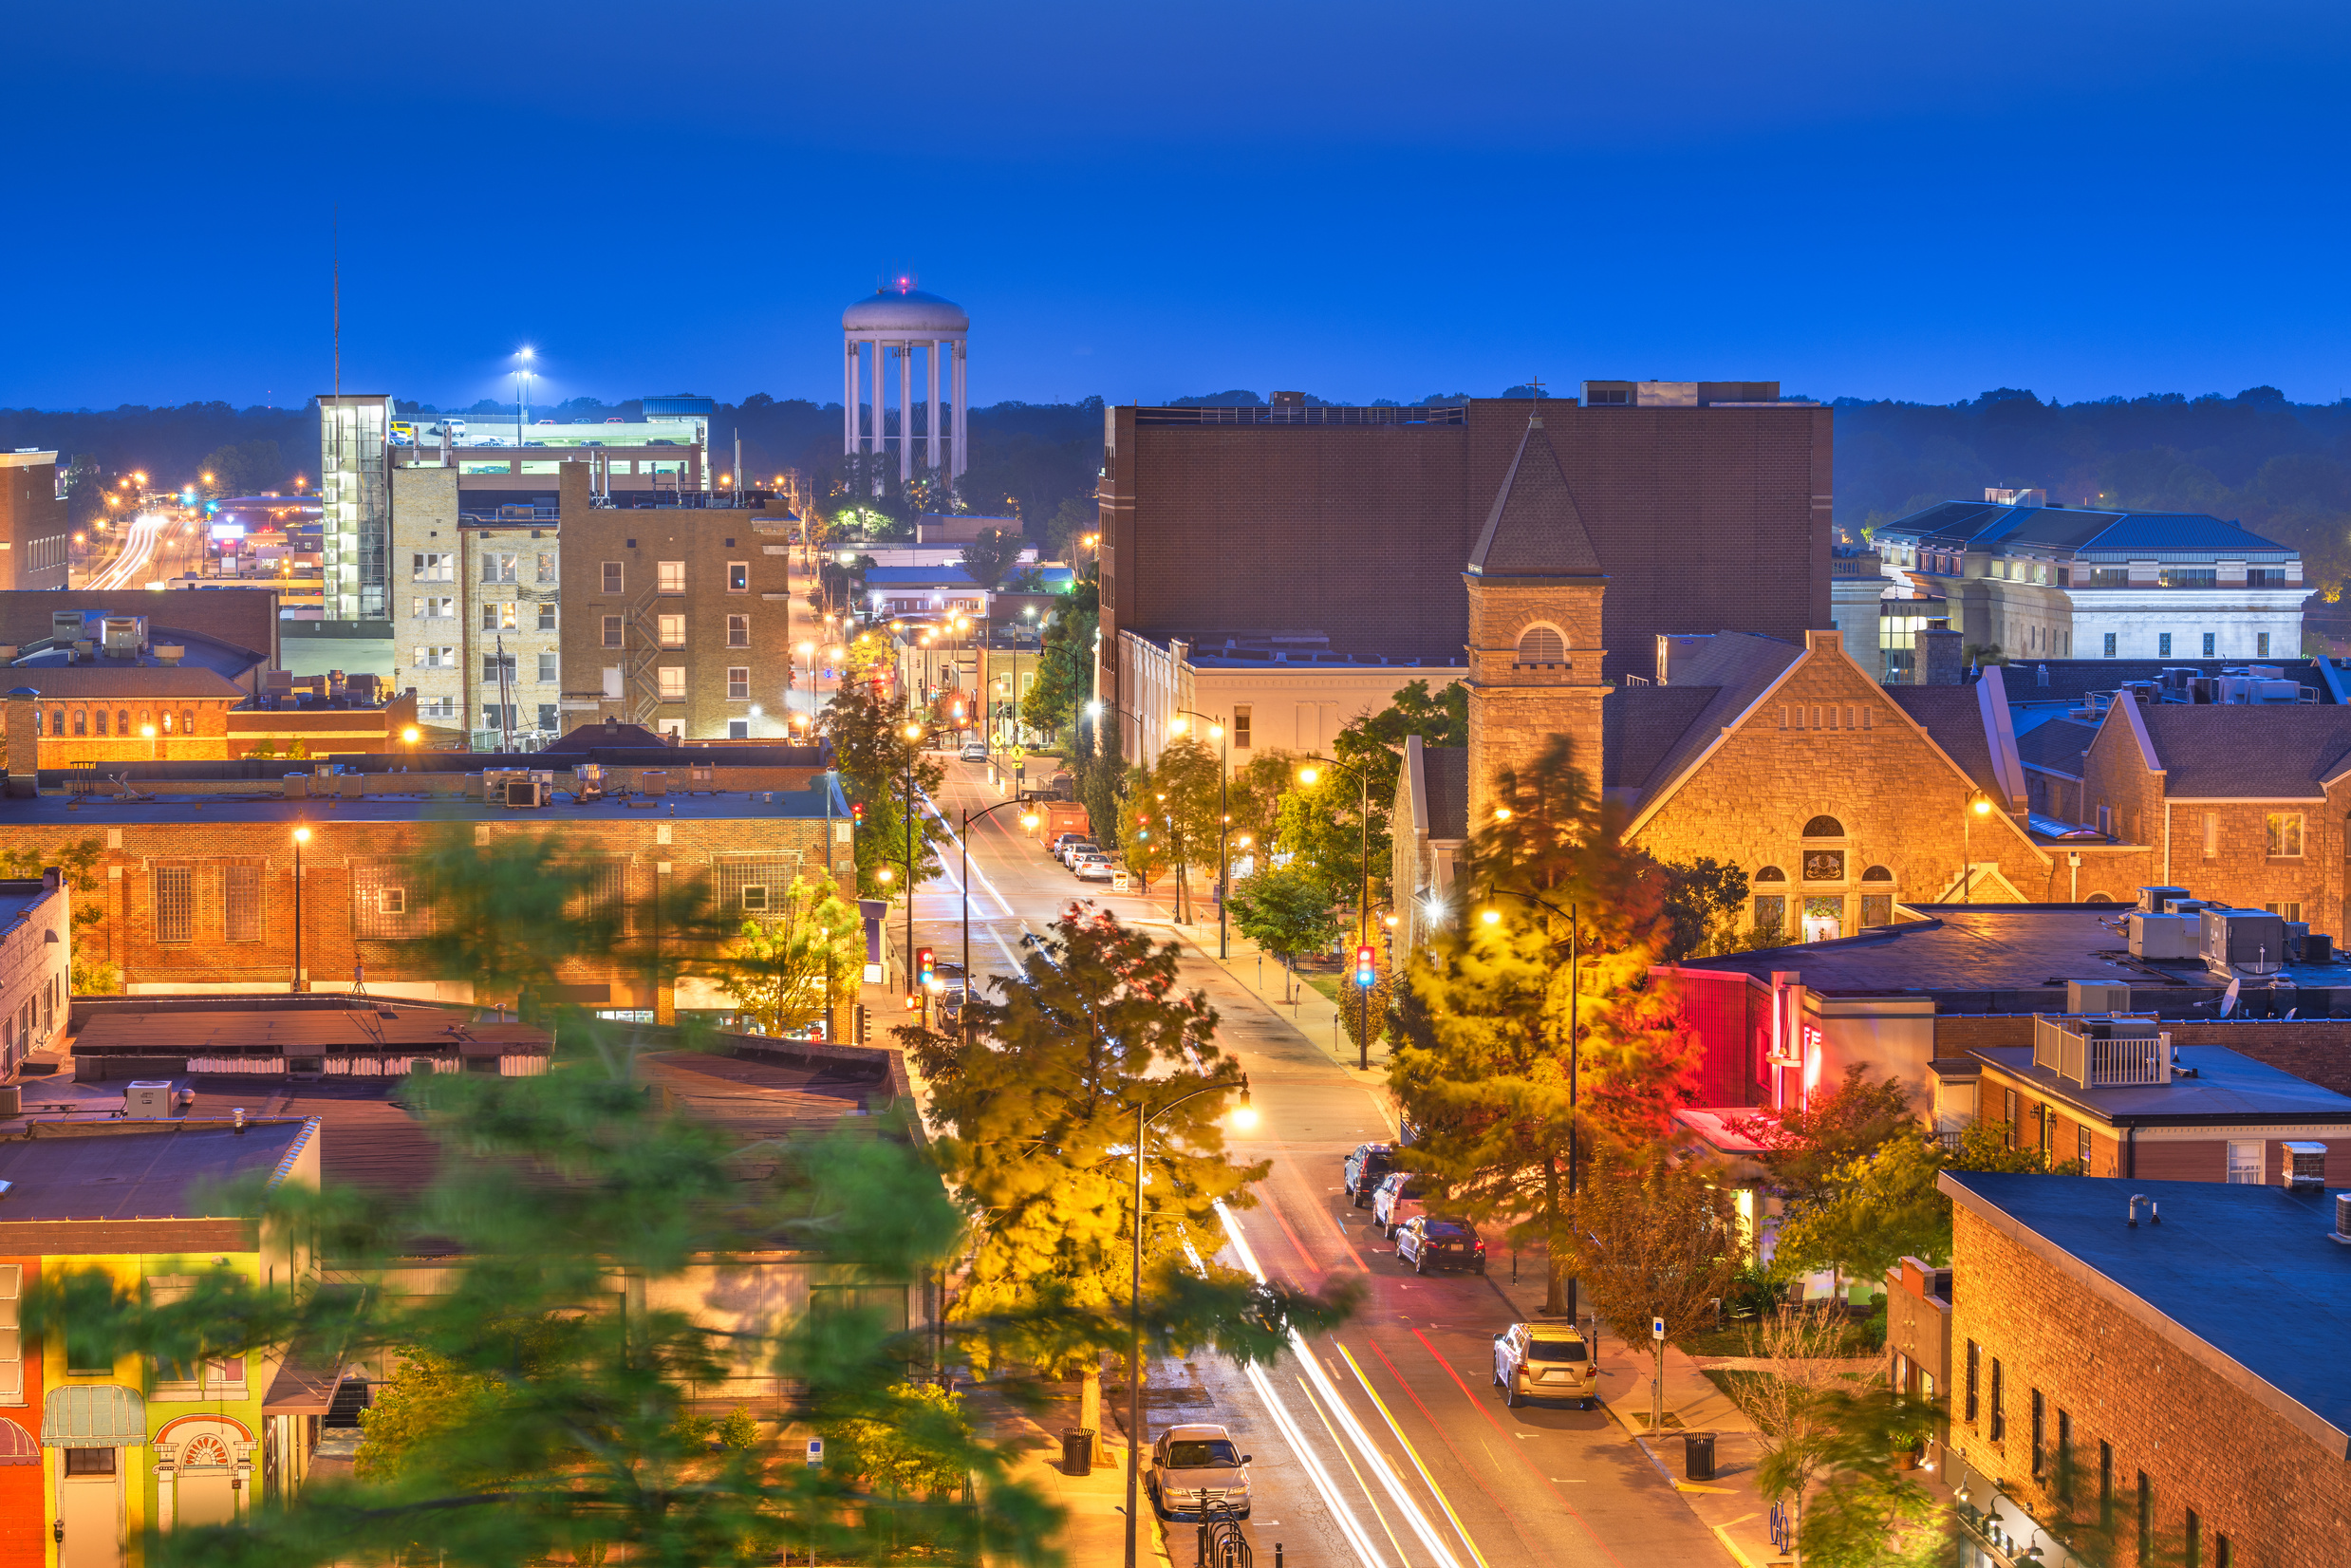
[(124, 633), (66, 626), (2156, 901), (2098, 996), (148, 1101), (2161, 937), (2304, 1166), (587, 780), (2243, 939), (2342, 1219), (526, 791)]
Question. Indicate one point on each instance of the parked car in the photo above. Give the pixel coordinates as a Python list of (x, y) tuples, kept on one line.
[(1196, 1464), (1428, 1242), (1397, 1199), (1544, 1361), (1061, 842), (1364, 1168), (974, 751), (1083, 847), (1095, 869)]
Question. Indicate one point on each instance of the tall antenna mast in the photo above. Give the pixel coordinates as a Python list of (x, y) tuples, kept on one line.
[(335, 245)]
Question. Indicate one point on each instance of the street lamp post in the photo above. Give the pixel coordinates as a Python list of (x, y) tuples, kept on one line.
[(1245, 1116), (1575, 996), (1979, 804), (1363, 901), (1028, 821), (302, 837), (1225, 816), (914, 734)]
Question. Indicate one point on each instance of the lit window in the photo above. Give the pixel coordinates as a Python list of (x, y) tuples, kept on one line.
[(671, 576), (672, 678), (672, 631), (547, 617), (2284, 834)]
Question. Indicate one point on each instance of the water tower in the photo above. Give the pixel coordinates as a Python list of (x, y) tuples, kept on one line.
[(898, 319)]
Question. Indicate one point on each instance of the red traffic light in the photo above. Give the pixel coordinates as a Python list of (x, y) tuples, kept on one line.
[(1365, 967)]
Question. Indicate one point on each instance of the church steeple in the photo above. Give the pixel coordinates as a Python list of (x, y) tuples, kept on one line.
[(1536, 591)]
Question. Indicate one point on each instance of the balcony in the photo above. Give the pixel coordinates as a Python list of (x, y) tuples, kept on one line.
[(2113, 1053)]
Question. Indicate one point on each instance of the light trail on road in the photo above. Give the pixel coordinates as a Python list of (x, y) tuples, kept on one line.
[(132, 562)]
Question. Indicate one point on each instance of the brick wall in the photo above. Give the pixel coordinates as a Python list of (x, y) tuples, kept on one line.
[(1705, 519), (32, 527), (342, 862), (2283, 1500), (1901, 803)]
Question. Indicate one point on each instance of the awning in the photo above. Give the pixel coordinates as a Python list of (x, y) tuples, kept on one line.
[(16, 1445), (94, 1416)]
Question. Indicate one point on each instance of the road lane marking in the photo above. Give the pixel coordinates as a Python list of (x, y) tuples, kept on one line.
[(1480, 1406), (1341, 1446), (1468, 1469), (1413, 1454)]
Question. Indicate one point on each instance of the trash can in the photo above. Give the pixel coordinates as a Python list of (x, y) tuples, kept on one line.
[(1077, 1451), (1698, 1456)]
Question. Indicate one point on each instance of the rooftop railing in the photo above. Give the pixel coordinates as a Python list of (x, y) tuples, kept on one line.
[(2108, 1054)]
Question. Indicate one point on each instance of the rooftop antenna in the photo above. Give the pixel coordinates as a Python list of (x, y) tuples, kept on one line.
[(334, 229)]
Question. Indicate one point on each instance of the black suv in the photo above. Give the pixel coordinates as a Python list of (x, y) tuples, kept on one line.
[(1364, 1168)]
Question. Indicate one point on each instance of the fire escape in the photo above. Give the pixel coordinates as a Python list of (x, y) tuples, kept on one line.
[(641, 686)]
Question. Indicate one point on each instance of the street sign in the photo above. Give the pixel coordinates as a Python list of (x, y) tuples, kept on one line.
[(815, 1453), (1656, 1328)]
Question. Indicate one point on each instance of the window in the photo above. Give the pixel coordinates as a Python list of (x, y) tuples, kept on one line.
[(492, 666), (2163, 645), (546, 616), (2000, 1413), (392, 900), (2191, 577), (672, 631), (57, 721), (2105, 820), (1876, 909), (12, 1334), (738, 631), (187, 721), (498, 566), (611, 632), (1824, 865), (80, 1462), (2261, 644), (2106, 1485), (2208, 645), (1975, 1368), (2220, 1551), (2284, 834), (435, 608), (2040, 1436), (754, 899), (1241, 728), (549, 718), (434, 567), (546, 669), (738, 729), (2109, 636), (436, 659), (547, 568), (175, 904), (613, 578), (2192, 1540), (437, 707), (2245, 1162), (739, 683), (672, 678), (2212, 835), (2082, 1146), (2009, 1115), (167, 720), (1824, 827), (499, 617), (1541, 646), (2065, 1456), (2146, 1516), (81, 722), (739, 576), (240, 901), (1771, 913), (669, 576)]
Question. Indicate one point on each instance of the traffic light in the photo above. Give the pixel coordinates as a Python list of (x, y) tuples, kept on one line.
[(926, 966), (857, 811), (1366, 974)]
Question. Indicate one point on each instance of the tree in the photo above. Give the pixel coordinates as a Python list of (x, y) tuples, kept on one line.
[(246, 467), (905, 1456), (1076, 517), (1146, 840), (1804, 1144), (1798, 1355), (1864, 1511), (1703, 900), (989, 557), (788, 967), (1037, 1103), (873, 751), (1182, 793), (1286, 910), (1100, 777), (80, 866), (1065, 659), (1654, 1238), (1488, 1066)]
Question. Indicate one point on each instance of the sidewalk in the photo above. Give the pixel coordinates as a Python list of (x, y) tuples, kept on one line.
[(1094, 1531)]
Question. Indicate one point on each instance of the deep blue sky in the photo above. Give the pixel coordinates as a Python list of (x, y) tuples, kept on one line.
[(1365, 200)]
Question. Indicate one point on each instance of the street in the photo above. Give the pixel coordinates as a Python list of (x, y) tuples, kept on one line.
[(1385, 1442)]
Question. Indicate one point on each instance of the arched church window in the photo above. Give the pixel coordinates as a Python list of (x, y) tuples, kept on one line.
[(1878, 873), (1771, 873), (1541, 646), (1824, 827)]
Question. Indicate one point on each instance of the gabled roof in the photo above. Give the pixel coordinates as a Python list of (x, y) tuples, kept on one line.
[(1954, 718), (1738, 667), (2057, 746), (2223, 752), (1986, 525), (1445, 771), (1641, 726), (1534, 530)]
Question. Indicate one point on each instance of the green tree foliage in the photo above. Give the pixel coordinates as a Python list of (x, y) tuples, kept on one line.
[(79, 865), (788, 965), (991, 556), (1065, 660), (1074, 518), (1326, 822), (1100, 777), (873, 751), (1286, 910), (1038, 1106), (1258, 789), (542, 1411), (1702, 902), (1652, 1237), (1486, 1069), (1862, 1510), (1804, 1144), (246, 467), (907, 1454), (1182, 793)]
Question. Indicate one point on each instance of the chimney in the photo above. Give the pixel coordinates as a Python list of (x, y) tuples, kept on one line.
[(1939, 662), (19, 731)]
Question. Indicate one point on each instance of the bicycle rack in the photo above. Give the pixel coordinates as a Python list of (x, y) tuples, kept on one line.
[(1222, 1543)]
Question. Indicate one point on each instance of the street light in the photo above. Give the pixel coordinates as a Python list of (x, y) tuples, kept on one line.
[(1363, 899), (1575, 996), (302, 837), (914, 734), (522, 401), (1244, 1118), (1224, 815), (1979, 804)]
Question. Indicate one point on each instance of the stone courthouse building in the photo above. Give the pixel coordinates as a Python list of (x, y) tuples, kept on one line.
[(1783, 757)]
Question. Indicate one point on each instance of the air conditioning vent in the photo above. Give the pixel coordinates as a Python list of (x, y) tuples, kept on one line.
[(2342, 1218), (2304, 1167), (529, 791)]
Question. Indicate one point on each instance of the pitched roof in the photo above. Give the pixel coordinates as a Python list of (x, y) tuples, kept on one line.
[(2223, 752), (78, 682), (1641, 726), (1954, 716), (1445, 771), (1534, 530), (1988, 525), (1738, 667), (2070, 678), (2056, 746)]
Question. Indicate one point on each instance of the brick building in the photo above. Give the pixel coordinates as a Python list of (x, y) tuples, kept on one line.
[(198, 892), (243, 618), (34, 538), (470, 585), (1708, 504), (2179, 1383)]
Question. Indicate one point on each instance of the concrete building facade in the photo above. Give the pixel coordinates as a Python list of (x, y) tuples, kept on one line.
[(1272, 691)]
